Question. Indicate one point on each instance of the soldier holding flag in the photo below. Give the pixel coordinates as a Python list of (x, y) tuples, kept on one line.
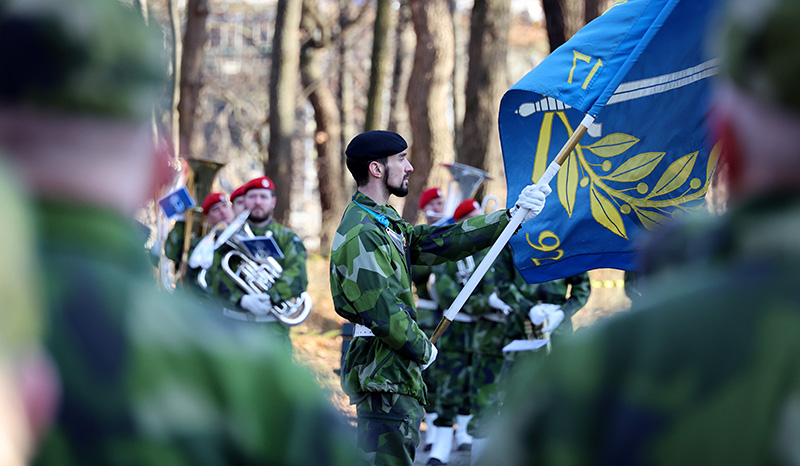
[(371, 257)]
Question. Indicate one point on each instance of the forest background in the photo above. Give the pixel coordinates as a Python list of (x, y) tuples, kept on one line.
[(278, 87)]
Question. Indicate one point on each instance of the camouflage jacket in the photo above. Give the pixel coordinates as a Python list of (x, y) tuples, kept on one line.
[(292, 282), (427, 319), (451, 277), (150, 379), (702, 370), (371, 285)]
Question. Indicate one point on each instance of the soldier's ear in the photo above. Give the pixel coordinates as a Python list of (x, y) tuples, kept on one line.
[(376, 169)]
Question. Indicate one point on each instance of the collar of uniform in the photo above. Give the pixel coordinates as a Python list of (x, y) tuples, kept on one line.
[(90, 230), (387, 210), (259, 231)]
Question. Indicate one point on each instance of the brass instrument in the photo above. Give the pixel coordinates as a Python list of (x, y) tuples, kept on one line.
[(201, 177), (255, 275), (466, 181)]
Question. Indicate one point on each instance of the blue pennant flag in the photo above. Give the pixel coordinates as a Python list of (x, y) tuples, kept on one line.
[(641, 70)]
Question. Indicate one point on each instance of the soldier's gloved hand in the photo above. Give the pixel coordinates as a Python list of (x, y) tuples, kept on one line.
[(542, 311), (531, 198), (496, 303), (259, 304), (434, 353), (554, 319)]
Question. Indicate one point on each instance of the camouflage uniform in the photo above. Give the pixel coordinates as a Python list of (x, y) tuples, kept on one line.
[(149, 379), (292, 282), (456, 344), (702, 371), (173, 250), (429, 314), (371, 286)]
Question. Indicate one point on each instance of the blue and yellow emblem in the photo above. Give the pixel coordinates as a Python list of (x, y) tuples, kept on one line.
[(642, 71)]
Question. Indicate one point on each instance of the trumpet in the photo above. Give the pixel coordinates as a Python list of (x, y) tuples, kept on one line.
[(256, 275)]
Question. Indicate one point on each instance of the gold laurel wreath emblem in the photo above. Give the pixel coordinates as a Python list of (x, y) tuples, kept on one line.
[(609, 204)]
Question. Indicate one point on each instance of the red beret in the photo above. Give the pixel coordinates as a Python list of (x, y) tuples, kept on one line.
[(259, 183), (465, 208), (237, 192), (428, 195), (212, 199)]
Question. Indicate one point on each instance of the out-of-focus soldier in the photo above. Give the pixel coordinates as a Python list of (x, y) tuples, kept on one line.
[(703, 369), (28, 379), (147, 377), (290, 283), (237, 199), (371, 257), (431, 202), (457, 346)]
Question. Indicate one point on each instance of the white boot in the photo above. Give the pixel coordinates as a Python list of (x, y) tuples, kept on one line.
[(463, 439), (440, 453), (430, 434), (478, 447)]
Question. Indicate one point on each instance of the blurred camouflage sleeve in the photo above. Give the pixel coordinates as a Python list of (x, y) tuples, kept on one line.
[(173, 246), (363, 274)]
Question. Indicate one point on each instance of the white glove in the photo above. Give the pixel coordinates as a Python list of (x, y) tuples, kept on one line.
[(496, 303), (434, 352), (531, 198), (540, 312), (553, 321), (259, 304)]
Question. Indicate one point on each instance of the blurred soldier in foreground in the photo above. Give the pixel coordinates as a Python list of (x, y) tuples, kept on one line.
[(371, 257), (28, 379), (147, 378), (704, 369), (431, 202), (291, 282)]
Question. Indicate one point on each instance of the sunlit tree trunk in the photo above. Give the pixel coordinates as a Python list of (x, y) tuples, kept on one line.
[(427, 98), (284, 76)]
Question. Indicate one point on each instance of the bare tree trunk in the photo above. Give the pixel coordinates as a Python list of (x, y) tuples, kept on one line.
[(428, 98), (348, 130), (194, 41), (175, 29), (380, 61), (398, 112), (459, 73), (326, 137), (591, 10), (487, 80), (563, 18), (282, 102)]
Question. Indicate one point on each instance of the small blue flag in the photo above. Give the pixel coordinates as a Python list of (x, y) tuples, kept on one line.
[(642, 71), (176, 202)]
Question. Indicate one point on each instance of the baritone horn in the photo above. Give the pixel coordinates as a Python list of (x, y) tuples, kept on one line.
[(256, 274)]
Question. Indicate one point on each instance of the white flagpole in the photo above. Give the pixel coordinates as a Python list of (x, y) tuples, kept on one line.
[(510, 229)]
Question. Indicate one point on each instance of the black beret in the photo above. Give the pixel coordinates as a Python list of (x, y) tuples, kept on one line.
[(375, 145)]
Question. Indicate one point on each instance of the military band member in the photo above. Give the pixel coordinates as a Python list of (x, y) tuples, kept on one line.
[(147, 378), (216, 209), (237, 199), (259, 198), (372, 253), (431, 202)]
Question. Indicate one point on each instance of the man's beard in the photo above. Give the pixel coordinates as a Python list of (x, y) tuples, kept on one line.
[(259, 219), (399, 191)]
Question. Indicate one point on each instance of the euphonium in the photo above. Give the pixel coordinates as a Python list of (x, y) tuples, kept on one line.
[(255, 275)]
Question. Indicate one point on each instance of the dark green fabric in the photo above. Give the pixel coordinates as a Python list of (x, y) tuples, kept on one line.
[(705, 369), (150, 378)]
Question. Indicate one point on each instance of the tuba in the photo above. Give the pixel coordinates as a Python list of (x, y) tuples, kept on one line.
[(466, 181), (257, 273)]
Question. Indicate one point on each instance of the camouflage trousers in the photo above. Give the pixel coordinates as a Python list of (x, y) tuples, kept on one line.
[(432, 377), (485, 381), (455, 362), (388, 428)]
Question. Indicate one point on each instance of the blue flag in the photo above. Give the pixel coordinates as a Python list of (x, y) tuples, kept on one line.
[(176, 202), (642, 71)]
